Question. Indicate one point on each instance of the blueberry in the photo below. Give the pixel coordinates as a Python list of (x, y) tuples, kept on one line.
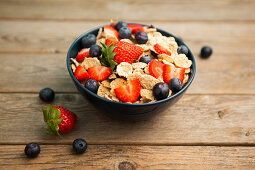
[(95, 50), (120, 24), (161, 91), (92, 85), (79, 146), (175, 85), (206, 52), (145, 59), (32, 150), (88, 40), (47, 95), (125, 32), (182, 49), (141, 37)]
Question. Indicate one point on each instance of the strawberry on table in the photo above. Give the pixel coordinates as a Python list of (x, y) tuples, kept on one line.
[(161, 50), (59, 120), (170, 71), (110, 31), (155, 68), (99, 73), (82, 54), (81, 74), (129, 92), (135, 28)]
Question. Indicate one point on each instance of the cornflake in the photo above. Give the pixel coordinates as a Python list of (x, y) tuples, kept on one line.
[(127, 40), (117, 83), (166, 58), (124, 69), (186, 78), (182, 61), (106, 83), (102, 91), (148, 81), (112, 76), (75, 62), (73, 67), (99, 34), (139, 65), (147, 94), (90, 62)]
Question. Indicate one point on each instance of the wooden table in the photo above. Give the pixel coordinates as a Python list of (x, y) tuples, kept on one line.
[(211, 127)]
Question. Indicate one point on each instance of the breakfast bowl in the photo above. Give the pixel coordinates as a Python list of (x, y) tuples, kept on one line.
[(122, 110)]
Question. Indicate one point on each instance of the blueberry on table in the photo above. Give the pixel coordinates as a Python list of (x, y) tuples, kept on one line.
[(88, 40), (120, 24), (47, 95), (175, 85), (161, 91), (182, 49), (79, 146), (206, 52), (95, 50), (141, 37), (125, 32), (32, 150), (145, 59), (92, 85)]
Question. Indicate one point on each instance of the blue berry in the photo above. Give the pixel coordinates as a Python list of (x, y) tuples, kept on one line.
[(161, 91), (182, 49), (47, 95), (88, 40), (120, 24), (175, 85), (92, 85), (95, 50), (125, 32), (206, 52), (145, 59), (32, 150), (141, 37), (79, 146)]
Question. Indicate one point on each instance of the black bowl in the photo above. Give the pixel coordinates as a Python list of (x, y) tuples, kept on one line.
[(127, 111)]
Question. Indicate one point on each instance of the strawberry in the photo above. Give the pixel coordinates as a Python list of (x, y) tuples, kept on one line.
[(82, 54), (155, 68), (109, 41), (81, 74), (99, 73), (135, 28), (129, 92), (161, 50), (109, 30), (59, 120), (170, 71), (126, 52)]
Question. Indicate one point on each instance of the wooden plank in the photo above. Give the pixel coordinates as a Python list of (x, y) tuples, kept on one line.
[(221, 74), (217, 10), (51, 36), (207, 120), (130, 157)]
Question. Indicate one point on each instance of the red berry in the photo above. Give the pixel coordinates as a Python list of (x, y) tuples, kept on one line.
[(161, 50), (170, 71), (135, 28), (81, 74), (110, 31), (155, 68), (99, 73), (82, 55)]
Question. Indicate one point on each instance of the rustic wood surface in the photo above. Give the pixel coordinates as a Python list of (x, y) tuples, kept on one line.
[(211, 127)]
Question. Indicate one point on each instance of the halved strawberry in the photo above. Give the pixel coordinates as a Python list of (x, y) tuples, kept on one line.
[(161, 50), (135, 28), (99, 73), (155, 68), (129, 92), (109, 41), (81, 74), (170, 71), (82, 54), (109, 30)]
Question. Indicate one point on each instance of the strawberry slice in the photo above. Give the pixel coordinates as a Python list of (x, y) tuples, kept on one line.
[(82, 55), (109, 41), (170, 71), (129, 92), (99, 73), (81, 74), (110, 31), (155, 68), (135, 28), (161, 50)]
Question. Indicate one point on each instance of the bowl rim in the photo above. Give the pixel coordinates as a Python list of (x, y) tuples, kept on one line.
[(132, 104)]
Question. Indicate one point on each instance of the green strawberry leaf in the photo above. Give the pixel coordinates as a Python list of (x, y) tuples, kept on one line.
[(108, 56)]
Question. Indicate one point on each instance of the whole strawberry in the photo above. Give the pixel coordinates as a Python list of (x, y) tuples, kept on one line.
[(59, 120)]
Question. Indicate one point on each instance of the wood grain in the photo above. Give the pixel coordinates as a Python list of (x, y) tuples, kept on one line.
[(130, 157), (207, 120), (182, 10)]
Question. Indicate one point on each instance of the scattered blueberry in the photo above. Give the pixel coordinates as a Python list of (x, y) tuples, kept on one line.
[(79, 145), (145, 59), (47, 95), (32, 150), (175, 85), (141, 37), (95, 50), (206, 52), (125, 32), (92, 85), (88, 40), (161, 91), (120, 24), (182, 49)]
